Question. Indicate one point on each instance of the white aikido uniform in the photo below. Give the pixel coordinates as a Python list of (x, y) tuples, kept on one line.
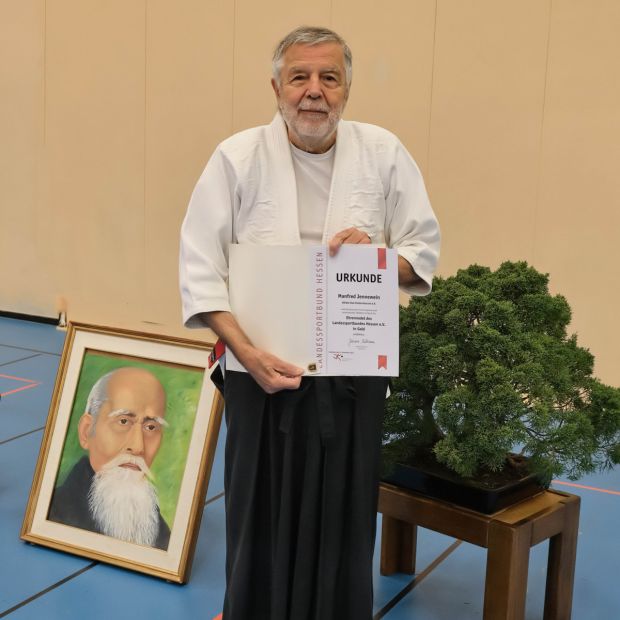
[(248, 194)]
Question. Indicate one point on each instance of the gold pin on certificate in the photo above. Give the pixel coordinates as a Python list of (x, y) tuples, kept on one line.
[(330, 315)]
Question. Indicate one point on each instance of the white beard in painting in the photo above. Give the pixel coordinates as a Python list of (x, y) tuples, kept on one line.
[(123, 502)]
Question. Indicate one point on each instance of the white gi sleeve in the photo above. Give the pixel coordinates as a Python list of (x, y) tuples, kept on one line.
[(206, 234), (411, 225)]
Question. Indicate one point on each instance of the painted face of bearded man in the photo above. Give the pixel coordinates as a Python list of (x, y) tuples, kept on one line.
[(122, 432)]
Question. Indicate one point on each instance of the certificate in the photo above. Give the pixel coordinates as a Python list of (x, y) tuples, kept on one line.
[(330, 315)]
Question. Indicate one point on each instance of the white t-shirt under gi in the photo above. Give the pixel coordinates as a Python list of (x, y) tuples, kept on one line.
[(313, 173)]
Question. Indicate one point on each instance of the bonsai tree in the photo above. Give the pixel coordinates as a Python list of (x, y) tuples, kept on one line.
[(487, 370)]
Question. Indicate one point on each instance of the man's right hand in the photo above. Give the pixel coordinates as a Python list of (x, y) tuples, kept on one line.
[(269, 371)]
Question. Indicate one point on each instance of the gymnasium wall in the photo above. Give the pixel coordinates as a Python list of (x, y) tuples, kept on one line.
[(109, 110)]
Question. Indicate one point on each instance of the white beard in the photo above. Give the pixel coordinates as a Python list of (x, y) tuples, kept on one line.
[(124, 503), (311, 132)]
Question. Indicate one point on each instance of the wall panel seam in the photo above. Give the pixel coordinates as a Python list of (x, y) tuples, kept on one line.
[(430, 103), (44, 71), (234, 63), (539, 171), (144, 168)]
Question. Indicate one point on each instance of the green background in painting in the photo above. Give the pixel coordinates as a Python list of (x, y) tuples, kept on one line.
[(182, 386)]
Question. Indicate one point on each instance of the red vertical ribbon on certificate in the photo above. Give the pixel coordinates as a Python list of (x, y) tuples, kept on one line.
[(381, 258), (382, 361)]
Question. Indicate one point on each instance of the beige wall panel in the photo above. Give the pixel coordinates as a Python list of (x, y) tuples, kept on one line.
[(24, 285), (110, 109), (258, 28), (94, 157), (392, 66), (578, 222), (488, 93), (189, 73)]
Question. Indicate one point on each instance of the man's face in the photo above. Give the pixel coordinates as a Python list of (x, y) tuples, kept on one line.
[(129, 421), (312, 94)]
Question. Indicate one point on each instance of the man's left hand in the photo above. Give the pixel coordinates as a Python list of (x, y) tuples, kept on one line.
[(348, 235)]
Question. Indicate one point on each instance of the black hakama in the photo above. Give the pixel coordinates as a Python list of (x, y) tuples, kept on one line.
[(301, 482)]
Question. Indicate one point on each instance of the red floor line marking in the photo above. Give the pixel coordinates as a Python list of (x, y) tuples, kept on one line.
[(18, 379), (24, 387), (583, 486)]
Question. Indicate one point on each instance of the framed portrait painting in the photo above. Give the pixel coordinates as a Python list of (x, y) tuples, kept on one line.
[(127, 451)]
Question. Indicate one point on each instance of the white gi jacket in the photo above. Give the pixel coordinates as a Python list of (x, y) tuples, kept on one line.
[(247, 194)]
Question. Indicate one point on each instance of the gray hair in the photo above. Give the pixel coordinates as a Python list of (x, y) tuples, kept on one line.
[(97, 396), (311, 35)]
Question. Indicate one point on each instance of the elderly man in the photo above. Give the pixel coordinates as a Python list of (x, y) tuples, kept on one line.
[(302, 454), (109, 491)]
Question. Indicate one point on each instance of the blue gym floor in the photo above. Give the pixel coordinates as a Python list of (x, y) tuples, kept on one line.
[(39, 583)]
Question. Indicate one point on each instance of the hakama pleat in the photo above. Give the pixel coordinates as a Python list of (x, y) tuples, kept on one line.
[(301, 483)]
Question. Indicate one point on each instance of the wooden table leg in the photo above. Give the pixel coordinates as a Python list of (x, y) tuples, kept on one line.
[(398, 546), (561, 566), (507, 564)]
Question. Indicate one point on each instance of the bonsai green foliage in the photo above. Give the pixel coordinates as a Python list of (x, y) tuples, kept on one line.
[(488, 368)]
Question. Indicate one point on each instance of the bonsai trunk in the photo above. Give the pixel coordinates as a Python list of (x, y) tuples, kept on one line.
[(430, 431)]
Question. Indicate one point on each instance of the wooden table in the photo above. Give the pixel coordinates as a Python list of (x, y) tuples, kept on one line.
[(508, 536)]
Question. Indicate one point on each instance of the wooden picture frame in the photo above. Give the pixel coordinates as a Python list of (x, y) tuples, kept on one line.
[(121, 396)]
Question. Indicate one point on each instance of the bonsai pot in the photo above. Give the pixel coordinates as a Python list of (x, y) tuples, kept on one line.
[(487, 495)]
